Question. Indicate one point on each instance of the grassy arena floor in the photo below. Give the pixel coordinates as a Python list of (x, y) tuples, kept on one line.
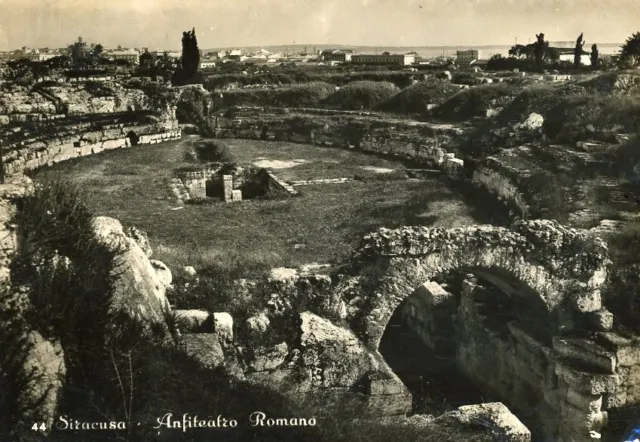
[(322, 226)]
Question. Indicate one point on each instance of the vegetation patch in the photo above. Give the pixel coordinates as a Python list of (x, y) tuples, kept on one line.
[(416, 98), (473, 102), (362, 95)]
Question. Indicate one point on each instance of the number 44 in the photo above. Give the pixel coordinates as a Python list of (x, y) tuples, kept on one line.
[(39, 426)]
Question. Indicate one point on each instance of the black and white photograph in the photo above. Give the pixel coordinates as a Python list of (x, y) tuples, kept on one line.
[(320, 220)]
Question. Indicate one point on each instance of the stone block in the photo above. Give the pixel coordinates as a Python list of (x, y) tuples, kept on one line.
[(379, 383), (496, 416), (227, 187), (581, 419), (432, 294), (583, 401), (627, 350), (586, 382), (204, 348), (588, 301), (617, 399), (600, 320), (587, 352), (236, 195), (191, 321), (267, 359), (223, 326)]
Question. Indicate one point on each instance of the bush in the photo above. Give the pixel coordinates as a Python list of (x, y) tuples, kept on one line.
[(539, 98), (210, 151), (362, 95), (308, 94), (417, 98)]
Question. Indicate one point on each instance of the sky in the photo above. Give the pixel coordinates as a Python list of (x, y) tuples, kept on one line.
[(158, 24)]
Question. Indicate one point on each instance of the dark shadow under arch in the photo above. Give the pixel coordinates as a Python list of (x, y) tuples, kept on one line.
[(133, 138)]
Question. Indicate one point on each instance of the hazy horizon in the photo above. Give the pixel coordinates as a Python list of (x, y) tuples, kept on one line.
[(158, 24)]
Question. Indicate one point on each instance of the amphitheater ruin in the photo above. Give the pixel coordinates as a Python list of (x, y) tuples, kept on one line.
[(545, 349)]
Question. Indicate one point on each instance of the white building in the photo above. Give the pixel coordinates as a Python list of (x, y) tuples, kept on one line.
[(384, 59)]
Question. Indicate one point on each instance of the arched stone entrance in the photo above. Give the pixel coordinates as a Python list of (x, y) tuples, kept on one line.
[(133, 138), (563, 268)]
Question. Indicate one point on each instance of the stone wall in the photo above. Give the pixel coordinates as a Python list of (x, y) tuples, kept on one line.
[(501, 186), (561, 388), (558, 387), (32, 155), (417, 141)]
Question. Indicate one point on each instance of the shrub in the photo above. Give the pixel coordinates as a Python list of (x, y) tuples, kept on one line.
[(209, 151), (417, 98), (307, 94), (362, 95), (539, 98)]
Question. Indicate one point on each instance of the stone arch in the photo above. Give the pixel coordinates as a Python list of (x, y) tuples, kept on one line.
[(563, 268), (133, 138)]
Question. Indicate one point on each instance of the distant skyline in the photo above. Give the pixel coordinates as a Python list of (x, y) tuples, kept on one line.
[(158, 24)]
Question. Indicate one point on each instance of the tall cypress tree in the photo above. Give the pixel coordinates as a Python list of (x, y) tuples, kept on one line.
[(190, 53), (577, 53)]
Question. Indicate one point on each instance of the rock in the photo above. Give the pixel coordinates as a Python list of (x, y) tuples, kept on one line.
[(139, 291), (189, 271), (223, 326), (204, 348), (163, 273), (533, 122), (258, 324), (141, 238), (192, 321), (268, 359), (503, 424), (332, 356)]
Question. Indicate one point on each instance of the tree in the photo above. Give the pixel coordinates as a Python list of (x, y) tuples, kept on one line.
[(97, 50), (577, 53), (146, 59), (540, 49), (188, 74), (190, 53), (521, 51), (630, 51), (595, 59)]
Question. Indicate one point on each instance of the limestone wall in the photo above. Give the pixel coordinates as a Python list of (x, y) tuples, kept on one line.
[(501, 186), (420, 142), (565, 387), (35, 154)]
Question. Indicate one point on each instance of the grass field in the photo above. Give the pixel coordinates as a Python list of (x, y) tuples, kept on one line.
[(323, 225)]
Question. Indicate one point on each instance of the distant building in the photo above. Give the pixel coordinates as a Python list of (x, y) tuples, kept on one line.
[(567, 55), (384, 59), (464, 57), (207, 64), (131, 56), (336, 55)]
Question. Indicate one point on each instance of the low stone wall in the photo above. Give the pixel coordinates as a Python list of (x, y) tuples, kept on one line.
[(417, 141), (502, 187), (320, 181), (38, 154), (277, 183)]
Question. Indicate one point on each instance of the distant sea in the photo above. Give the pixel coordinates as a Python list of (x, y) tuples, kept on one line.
[(423, 51)]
